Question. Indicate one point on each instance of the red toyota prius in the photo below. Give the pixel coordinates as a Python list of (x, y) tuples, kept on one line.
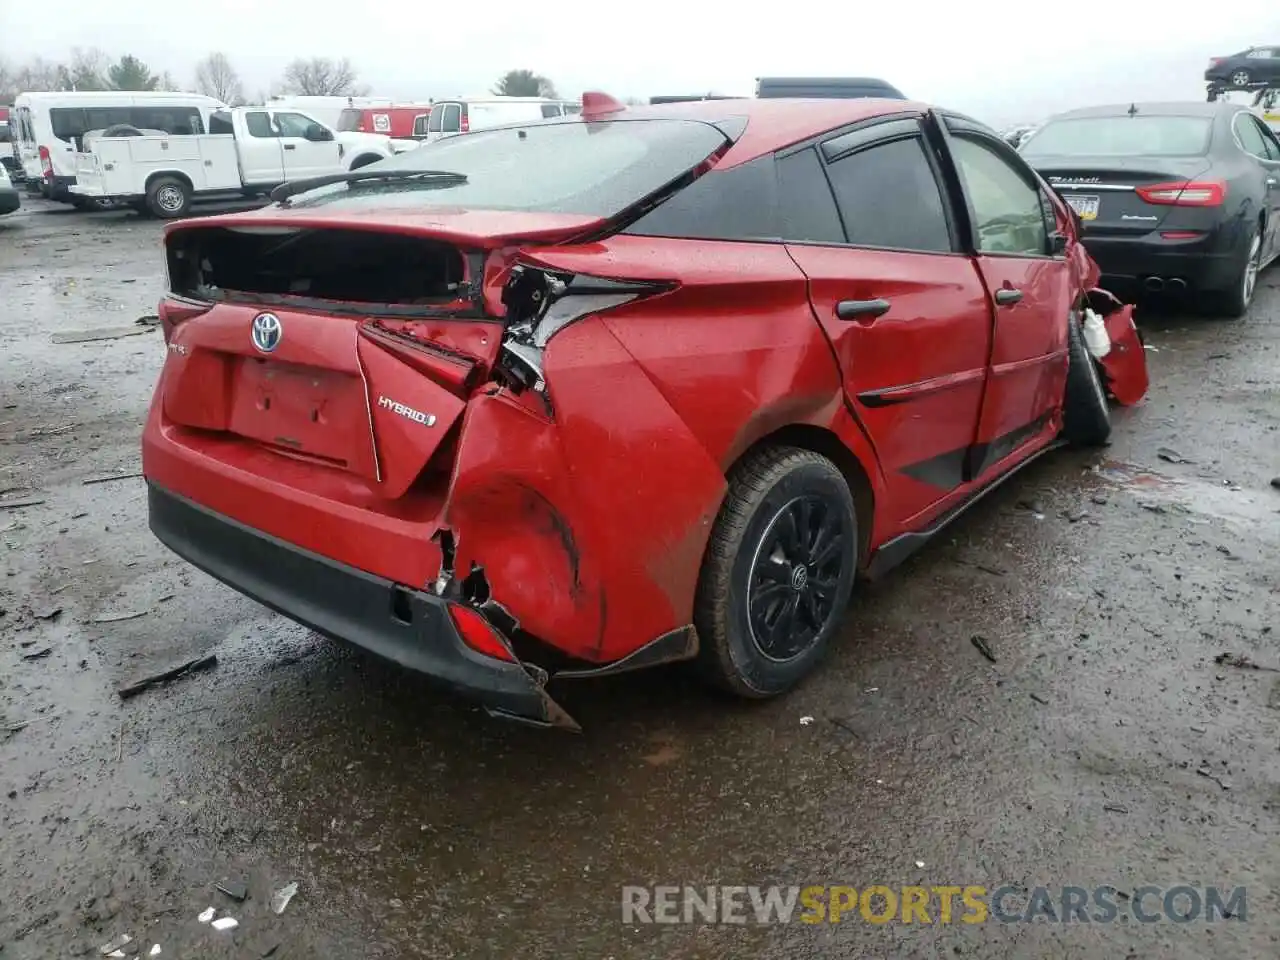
[(642, 385)]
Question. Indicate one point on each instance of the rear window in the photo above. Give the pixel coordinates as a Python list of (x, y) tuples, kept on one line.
[(595, 169), (349, 120), (1121, 137), (437, 115)]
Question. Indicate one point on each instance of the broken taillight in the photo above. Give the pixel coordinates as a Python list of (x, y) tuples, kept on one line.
[(1185, 193), (478, 634), (46, 163), (540, 303)]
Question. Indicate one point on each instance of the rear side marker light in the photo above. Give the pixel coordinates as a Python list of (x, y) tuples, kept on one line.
[(1185, 193), (1181, 234), (478, 634)]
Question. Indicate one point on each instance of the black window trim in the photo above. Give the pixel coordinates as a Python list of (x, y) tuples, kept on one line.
[(955, 125)]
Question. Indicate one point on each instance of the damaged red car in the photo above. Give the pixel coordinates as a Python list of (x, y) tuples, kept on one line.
[(643, 385)]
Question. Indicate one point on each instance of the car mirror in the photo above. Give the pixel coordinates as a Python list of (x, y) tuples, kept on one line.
[(318, 134), (1057, 244)]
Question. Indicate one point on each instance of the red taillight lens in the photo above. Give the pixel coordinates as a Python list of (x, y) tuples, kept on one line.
[(466, 122), (46, 162), (1214, 61), (1185, 193), (477, 634)]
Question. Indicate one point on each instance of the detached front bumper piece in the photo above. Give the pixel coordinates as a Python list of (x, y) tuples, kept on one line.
[(409, 626)]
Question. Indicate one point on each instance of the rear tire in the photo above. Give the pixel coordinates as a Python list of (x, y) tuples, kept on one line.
[(1086, 418), (168, 197), (778, 572), (1240, 78), (1234, 302), (364, 161)]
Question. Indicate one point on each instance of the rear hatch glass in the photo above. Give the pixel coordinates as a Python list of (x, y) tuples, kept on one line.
[(349, 120), (598, 169), (1098, 164)]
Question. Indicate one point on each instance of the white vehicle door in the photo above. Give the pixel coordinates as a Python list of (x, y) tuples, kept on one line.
[(261, 156), (310, 149)]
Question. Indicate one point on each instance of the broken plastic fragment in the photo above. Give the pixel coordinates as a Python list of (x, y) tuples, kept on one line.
[(207, 915), (1095, 335), (280, 899), (155, 951), (112, 947), (226, 923)]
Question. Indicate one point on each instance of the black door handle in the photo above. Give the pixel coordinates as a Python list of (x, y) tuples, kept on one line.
[(862, 309), (1007, 296), (291, 146)]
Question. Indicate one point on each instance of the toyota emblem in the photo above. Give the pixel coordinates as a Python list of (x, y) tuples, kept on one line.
[(267, 331)]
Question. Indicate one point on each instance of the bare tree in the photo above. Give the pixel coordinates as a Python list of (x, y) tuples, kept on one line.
[(34, 75), (88, 69), (524, 83), (320, 77), (216, 77)]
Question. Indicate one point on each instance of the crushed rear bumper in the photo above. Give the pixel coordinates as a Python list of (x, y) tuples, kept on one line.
[(406, 625)]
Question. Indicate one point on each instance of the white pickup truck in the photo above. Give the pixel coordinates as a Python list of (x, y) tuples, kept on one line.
[(247, 151)]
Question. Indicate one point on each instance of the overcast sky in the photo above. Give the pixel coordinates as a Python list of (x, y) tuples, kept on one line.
[(1001, 60)]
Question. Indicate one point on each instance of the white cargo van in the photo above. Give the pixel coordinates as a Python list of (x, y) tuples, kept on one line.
[(479, 113), (48, 128)]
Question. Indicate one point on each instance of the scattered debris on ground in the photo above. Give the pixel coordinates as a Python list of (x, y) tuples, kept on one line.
[(280, 899), (100, 333), (235, 889), (146, 683), (110, 478), (120, 617), (1172, 456), (984, 648), (39, 654), (1241, 661), (1210, 775), (25, 502)]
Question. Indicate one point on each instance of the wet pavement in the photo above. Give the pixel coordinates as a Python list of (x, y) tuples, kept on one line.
[(1104, 746)]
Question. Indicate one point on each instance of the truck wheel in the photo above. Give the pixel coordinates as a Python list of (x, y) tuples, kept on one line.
[(1086, 418), (365, 160), (777, 574), (168, 197)]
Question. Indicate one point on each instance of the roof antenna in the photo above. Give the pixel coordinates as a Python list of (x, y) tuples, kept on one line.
[(1133, 109)]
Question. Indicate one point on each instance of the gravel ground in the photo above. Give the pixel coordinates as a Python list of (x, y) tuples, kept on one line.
[(1103, 746)]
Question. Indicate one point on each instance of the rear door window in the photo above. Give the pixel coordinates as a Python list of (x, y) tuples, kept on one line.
[(452, 120), (888, 197), (436, 119), (551, 110), (259, 124), (806, 205), (420, 124), (349, 120)]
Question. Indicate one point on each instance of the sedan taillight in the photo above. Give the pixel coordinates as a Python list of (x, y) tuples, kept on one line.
[(1185, 193)]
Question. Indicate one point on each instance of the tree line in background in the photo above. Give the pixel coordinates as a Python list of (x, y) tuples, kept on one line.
[(215, 76)]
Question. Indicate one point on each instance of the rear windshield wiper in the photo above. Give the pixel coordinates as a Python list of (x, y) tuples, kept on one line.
[(294, 187)]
